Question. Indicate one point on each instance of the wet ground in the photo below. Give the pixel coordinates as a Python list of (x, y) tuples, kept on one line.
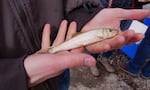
[(82, 79)]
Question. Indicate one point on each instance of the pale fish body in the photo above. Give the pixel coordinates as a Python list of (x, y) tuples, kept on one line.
[(84, 39)]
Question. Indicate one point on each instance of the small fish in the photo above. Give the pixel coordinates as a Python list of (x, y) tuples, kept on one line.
[(85, 38)]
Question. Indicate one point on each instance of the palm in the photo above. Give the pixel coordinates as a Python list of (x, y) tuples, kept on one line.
[(108, 18)]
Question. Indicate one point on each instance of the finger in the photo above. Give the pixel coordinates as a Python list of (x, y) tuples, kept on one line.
[(132, 14), (42, 51), (71, 30), (78, 50), (144, 0), (125, 38), (58, 63), (121, 39), (75, 59), (98, 47), (61, 33), (46, 37), (135, 38)]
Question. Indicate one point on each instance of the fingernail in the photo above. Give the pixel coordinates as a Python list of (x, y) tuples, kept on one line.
[(89, 62)]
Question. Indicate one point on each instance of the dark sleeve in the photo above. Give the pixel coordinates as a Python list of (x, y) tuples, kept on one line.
[(82, 14), (12, 74)]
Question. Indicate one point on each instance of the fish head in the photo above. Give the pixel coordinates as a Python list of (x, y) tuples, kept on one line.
[(107, 32)]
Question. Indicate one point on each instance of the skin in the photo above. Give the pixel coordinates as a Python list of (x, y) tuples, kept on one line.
[(111, 18), (144, 0), (42, 65)]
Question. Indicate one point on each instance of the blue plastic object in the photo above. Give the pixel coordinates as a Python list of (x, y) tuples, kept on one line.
[(130, 50), (147, 21)]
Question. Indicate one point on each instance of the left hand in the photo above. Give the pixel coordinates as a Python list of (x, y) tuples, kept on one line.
[(42, 65), (110, 18)]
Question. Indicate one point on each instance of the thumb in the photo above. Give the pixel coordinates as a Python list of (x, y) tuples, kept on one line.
[(75, 59), (133, 14)]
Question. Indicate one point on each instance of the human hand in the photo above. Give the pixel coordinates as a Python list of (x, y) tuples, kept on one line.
[(144, 0), (42, 65), (110, 18)]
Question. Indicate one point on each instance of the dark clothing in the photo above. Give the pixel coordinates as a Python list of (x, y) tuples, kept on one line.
[(126, 4), (21, 25), (141, 58), (117, 3)]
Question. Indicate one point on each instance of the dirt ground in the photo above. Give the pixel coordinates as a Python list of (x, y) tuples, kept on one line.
[(82, 79)]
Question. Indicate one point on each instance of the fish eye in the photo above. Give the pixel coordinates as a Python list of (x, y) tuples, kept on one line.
[(110, 30)]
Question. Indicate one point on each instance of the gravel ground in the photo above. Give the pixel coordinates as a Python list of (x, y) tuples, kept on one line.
[(82, 79)]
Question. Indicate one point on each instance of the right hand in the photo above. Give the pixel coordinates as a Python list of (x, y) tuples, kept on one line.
[(144, 0), (110, 18), (42, 65)]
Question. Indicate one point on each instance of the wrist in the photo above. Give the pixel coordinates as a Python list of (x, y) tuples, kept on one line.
[(36, 69)]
